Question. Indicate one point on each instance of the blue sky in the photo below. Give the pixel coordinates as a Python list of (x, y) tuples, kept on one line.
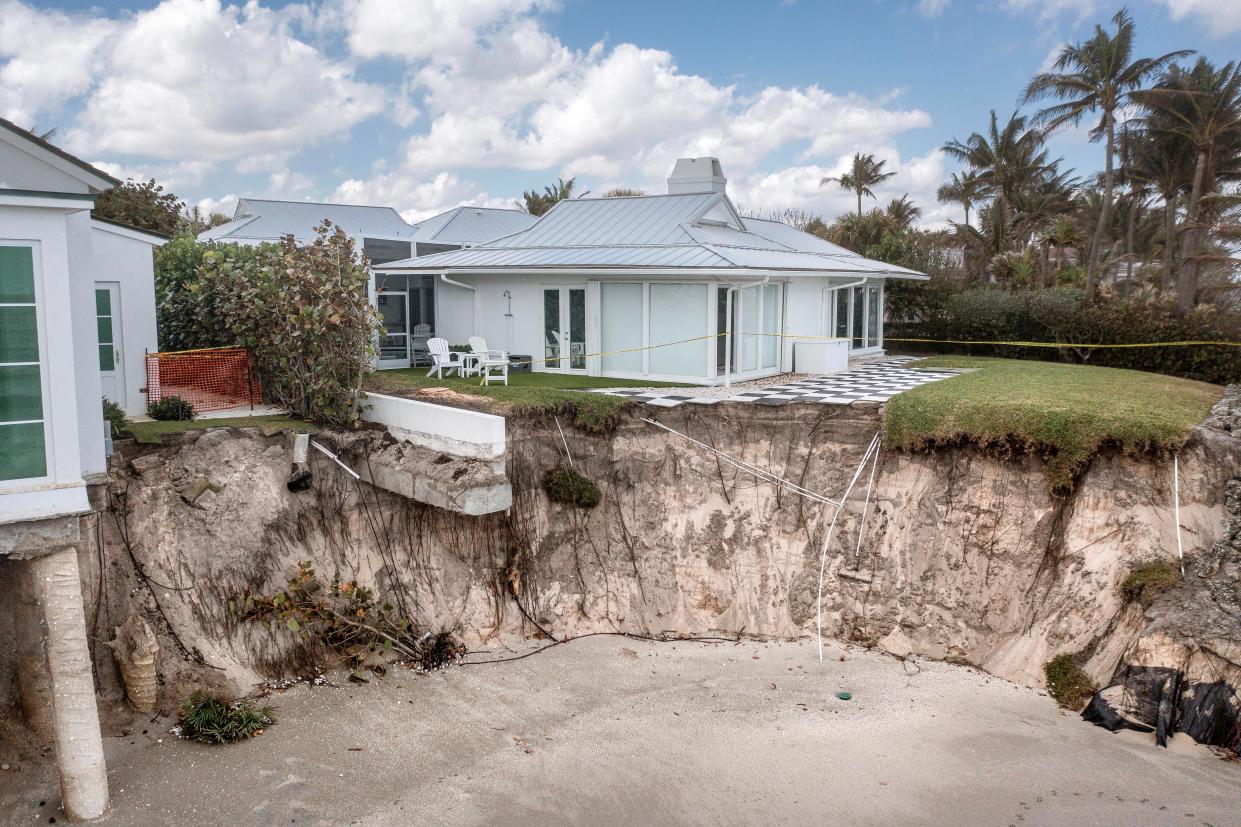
[(425, 104)]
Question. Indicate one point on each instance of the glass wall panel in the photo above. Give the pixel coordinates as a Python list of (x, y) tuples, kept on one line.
[(872, 317), (577, 328), (771, 325), (748, 325), (859, 317), (679, 311), (551, 328), (620, 322), (23, 451), (842, 314)]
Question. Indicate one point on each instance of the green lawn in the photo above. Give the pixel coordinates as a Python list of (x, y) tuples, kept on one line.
[(525, 393), (151, 432), (1065, 413)]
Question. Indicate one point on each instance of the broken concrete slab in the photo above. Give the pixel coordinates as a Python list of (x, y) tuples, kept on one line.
[(461, 484)]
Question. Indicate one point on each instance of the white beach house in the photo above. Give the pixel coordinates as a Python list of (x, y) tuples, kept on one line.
[(77, 310), (604, 286)]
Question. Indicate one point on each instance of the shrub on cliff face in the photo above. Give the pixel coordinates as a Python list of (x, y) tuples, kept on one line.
[(566, 485), (301, 309), (1144, 583), (1067, 683)]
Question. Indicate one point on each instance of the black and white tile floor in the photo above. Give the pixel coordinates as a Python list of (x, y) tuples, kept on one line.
[(867, 382)]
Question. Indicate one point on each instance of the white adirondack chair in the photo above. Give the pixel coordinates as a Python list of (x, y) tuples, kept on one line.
[(487, 360), (443, 359)]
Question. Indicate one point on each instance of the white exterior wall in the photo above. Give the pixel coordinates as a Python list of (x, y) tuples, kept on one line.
[(126, 260), (62, 491), (806, 311), (82, 265)]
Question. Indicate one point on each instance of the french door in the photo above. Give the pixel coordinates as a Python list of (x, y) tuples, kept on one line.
[(564, 329), (393, 308), (108, 325)]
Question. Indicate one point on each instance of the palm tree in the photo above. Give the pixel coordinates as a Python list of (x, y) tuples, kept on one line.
[(1161, 161), (1004, 160), (537, 203), (1096, 75), (903, 212), (864, 173), (1062, 234), (1202, 105), (964, 189)]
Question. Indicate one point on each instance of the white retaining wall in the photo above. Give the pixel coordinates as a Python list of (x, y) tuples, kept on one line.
[(438, 427)]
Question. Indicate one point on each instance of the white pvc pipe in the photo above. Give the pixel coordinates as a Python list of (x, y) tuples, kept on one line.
[(477, 322), (861, 531), (1176, 510), (827, 538)]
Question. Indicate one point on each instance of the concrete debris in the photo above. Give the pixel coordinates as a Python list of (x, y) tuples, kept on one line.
[(467, 486), (136, 651)]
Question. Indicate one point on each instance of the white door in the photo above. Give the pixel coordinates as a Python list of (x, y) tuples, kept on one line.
[(108, 323), (393, 308), (564, 329)]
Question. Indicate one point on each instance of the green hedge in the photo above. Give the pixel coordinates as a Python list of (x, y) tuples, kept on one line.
[(1060, 315)]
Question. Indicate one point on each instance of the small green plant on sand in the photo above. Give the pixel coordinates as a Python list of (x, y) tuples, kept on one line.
[(568, 486), (211, 720), (1067, 683), (1144, 583)]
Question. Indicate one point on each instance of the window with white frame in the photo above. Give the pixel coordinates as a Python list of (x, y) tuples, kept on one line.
[(23, 448), (857, 315)]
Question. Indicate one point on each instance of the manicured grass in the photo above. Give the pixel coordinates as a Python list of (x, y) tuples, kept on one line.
[(525, 393), (1065, 413), (151, 432)]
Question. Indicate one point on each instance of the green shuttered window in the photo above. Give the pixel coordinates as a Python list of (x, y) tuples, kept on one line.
[(23, 451)]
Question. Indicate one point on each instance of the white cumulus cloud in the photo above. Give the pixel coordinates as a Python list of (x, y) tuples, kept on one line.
[(1219, 17)]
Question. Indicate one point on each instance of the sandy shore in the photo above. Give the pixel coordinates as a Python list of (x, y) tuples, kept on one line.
[(614, 731)]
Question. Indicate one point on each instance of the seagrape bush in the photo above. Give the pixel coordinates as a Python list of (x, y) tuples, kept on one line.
[(301, 309), (1061, 315)]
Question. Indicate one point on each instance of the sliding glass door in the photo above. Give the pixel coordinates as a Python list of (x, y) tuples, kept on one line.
[(756, 328)]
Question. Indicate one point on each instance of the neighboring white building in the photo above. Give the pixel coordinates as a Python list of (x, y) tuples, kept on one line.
[(625, 277), (382, 236), (124, 271)]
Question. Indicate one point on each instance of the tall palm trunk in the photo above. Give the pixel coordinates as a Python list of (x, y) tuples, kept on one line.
[(967, 213), (859, 204), (1169, 243), (1105, 211), (1187, 279), (1130, 230)]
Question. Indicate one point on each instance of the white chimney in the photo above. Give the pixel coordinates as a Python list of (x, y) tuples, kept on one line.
[(696, 175)]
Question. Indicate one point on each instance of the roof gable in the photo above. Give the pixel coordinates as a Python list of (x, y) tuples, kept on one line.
[(259, 219), (472, 225), (34, 163)]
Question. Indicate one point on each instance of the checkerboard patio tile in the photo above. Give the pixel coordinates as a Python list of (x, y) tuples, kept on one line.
[(867, 382)]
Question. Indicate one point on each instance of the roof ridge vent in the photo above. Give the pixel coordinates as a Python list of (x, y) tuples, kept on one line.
[(697, 175)]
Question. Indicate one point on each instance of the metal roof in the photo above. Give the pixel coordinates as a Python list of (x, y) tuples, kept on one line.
[(700, 231), (259, 219), (471, 225)]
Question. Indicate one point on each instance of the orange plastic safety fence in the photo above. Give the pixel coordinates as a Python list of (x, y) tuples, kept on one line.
[(214, 379)]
